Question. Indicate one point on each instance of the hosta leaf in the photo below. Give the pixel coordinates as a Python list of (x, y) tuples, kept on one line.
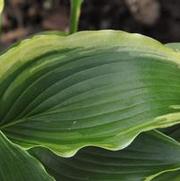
[(91, 88), (168, 176), (149, 154), (164, 175), (18, 165), (173, 132)]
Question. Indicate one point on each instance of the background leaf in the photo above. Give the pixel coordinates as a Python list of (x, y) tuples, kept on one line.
[(173, 175), (149, 154), (173, 132), (91, 88), (18, 165)]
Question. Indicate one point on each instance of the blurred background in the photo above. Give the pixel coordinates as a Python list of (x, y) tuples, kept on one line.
[(159, 19)]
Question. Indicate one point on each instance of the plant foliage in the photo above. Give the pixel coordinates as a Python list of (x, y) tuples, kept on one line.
[(101, 89)]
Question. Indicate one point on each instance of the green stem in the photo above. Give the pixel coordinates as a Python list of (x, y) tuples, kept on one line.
[(75, 14), (1, 9)]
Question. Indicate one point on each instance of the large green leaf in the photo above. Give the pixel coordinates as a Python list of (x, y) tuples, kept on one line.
[(151, 153), (18, 165), (91, 88)]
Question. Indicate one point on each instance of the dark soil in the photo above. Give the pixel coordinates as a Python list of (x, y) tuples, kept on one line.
[(25, 17)]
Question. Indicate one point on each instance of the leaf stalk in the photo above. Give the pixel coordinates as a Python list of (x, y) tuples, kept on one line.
[(75, 14)]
